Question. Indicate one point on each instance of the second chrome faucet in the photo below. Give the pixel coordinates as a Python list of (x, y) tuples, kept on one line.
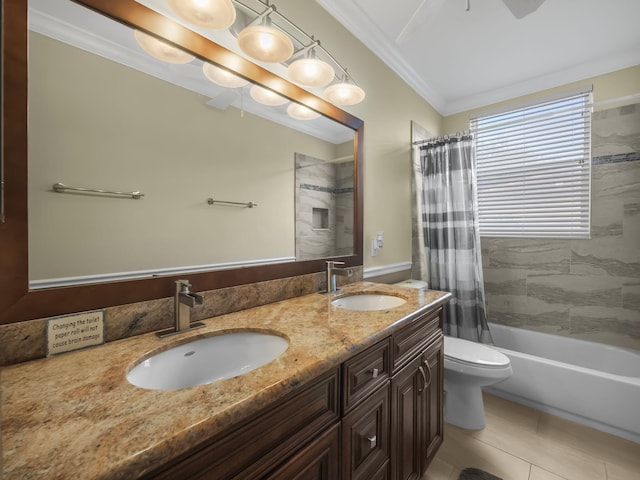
[(332, 272)]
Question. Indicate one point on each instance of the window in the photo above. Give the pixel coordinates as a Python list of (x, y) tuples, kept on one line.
[(534, 169)]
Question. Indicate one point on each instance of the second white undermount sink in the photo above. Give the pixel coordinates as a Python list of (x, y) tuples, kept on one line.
[(368, 302), (207, 360)]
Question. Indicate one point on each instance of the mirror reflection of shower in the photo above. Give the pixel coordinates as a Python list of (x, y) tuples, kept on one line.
[(324, 206)]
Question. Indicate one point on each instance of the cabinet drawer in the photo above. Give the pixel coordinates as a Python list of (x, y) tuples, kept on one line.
[(409, 341), (365, 372), (319, 460), (251, 449), (365, 437)]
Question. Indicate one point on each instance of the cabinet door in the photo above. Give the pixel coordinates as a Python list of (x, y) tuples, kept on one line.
[(255, 447), (431, 399), (320, 460), (365, 437), (405, 422)]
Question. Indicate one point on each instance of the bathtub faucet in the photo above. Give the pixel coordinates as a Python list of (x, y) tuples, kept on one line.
[(332, 272)]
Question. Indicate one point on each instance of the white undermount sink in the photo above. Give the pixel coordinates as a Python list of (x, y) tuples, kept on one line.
[(207, 360), (368, 301)]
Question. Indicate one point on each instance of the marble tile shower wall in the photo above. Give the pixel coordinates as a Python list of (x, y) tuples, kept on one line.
[(587, 289), (328, 186), (344, 208), (315, 180)]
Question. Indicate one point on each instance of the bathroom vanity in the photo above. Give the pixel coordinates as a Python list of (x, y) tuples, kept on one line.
[(357, 395)]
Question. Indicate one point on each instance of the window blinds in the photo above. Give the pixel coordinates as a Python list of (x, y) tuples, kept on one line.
[(534, 169)]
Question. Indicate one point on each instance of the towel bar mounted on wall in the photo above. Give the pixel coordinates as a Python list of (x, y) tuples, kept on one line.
[(62, 188), (211, 201)]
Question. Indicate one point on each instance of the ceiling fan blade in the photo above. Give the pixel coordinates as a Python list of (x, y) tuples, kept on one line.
[(423, 17), (522, 8)]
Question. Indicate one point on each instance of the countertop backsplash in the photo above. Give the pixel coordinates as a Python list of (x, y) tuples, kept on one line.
[(24, 341)]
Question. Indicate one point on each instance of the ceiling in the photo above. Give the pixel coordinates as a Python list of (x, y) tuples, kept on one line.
[(458, 60)]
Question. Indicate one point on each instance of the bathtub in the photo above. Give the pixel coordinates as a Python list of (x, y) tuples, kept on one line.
[(590, 383)]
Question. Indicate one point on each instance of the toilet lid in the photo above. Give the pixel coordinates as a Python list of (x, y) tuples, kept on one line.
[(473, 353)]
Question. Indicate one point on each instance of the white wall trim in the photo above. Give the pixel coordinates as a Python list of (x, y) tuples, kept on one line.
[(119, 276), (386, 269)]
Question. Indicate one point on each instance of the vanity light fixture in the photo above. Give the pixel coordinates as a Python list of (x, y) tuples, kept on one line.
[(300, 112), (161, 50), (266, 97), (345, 92), (211, 14), (311, 71), (268, 37), (222, 77), (263, 42)]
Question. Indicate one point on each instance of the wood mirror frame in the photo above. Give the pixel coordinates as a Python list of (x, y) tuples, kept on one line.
[(17, 301)]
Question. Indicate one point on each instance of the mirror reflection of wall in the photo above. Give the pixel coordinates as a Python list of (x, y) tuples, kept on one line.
[(95, 123), (324, 207)]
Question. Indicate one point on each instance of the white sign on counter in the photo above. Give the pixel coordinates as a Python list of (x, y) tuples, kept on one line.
[(73, 332)]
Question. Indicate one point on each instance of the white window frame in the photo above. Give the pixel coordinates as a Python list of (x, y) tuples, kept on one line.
[(534, 168)]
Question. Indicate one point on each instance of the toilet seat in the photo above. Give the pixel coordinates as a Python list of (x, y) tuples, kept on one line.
[(473, 354)]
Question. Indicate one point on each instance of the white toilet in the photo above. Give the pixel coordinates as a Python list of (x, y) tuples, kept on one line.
[(469, 366)]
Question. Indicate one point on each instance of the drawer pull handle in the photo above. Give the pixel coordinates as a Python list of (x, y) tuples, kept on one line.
[(374, 373), (373, 440), (424, 378), (427, 382)]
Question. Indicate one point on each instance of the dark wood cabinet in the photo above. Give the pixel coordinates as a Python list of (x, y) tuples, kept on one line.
[(416, 401), (252, 449), (320, 460), (365, 436), (432, 402), (377, 417)]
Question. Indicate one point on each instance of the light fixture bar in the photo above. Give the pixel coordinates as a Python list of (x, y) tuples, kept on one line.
[(303, 51), (270, 9)]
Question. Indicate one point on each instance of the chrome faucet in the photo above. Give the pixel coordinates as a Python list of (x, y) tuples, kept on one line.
[(183, 301), (332, 272)]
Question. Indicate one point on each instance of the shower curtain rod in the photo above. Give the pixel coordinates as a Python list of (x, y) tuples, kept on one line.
[(450, 136)]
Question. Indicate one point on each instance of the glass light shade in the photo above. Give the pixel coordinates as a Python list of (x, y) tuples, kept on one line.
[(212, 14), (222, 77), (311, 72), (161, 50), (265, 43), (266, 96), (300, 112), (344, 94)]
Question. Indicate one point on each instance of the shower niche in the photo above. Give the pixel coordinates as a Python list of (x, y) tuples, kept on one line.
[(324, 206)]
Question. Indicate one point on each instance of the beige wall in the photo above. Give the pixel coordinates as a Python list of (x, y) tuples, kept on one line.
[(94, 123), (387, 111)]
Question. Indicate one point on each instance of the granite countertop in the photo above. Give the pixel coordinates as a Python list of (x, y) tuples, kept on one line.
[(76, 416)]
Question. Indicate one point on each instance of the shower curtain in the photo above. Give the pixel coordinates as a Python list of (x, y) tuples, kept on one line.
[(449, 223)]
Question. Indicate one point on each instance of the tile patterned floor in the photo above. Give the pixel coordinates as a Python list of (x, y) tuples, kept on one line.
[(520, 443)]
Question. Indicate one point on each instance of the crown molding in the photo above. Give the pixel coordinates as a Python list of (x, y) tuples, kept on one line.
[(374, 39)]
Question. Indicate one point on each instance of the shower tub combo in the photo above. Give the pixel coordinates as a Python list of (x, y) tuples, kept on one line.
[(590, 383)]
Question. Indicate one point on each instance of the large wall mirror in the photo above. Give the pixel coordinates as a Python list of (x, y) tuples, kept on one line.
[(103, 115)]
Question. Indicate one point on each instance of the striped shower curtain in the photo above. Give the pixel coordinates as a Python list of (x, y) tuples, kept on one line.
[(451, 233)]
